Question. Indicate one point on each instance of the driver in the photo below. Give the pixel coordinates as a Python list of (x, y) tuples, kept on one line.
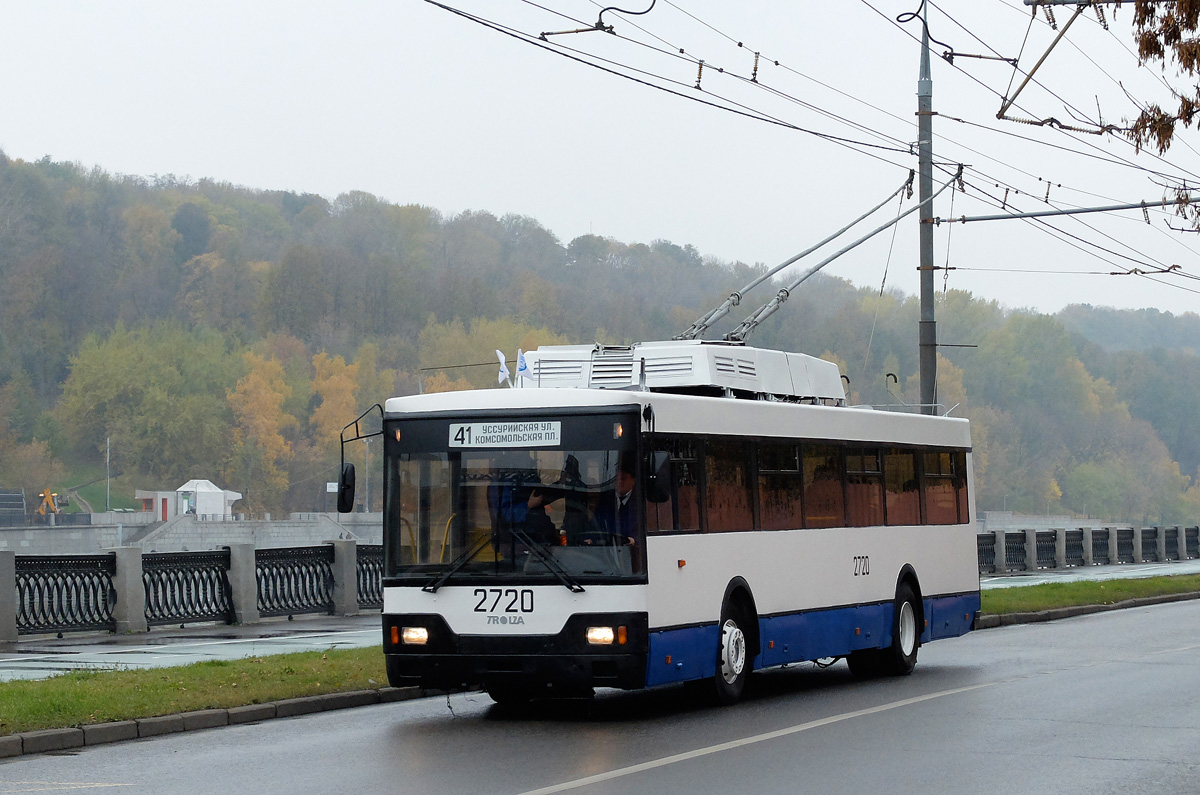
[(616, 510)]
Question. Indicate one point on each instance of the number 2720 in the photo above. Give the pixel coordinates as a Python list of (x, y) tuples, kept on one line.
[(862, 565), (506, 600)]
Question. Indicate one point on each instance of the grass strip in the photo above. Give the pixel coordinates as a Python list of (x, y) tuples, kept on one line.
[(85, 697), (1035, 598)]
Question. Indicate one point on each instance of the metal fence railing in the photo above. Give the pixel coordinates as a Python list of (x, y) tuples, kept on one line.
[(1149, 544), (1014, 551), (64, 593), (1100, 540), (1074, 548), (1046, 558), (187, 586), (1124, 545), (986, 550), (369, 572), (294, 580)]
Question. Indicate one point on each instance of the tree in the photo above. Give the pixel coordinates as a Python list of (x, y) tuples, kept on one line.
[(194, 227), (158, 392), (32, 467), (334, 383), (453, 344), (1166, 33), (260, 451)]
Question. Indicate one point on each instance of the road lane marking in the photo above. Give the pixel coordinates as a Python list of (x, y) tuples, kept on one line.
[(52, 786), (757, 738)]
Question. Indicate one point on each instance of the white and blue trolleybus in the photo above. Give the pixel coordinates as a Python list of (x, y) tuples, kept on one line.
[(684, 511)]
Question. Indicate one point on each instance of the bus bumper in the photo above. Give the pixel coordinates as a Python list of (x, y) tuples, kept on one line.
[(561, 661)]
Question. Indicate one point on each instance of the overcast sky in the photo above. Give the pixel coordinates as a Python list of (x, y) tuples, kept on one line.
[(410, 102)]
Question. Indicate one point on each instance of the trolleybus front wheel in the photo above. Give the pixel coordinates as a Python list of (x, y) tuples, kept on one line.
[(734, 658)]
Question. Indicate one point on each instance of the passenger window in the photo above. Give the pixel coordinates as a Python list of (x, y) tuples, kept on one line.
[(682, 510), (940, 491), (824, 498), (727, 487), (900, 481), (780, 486), (960, 483), (864, 487)]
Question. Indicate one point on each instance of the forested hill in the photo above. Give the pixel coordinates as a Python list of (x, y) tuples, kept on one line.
[(1133, 329), (221, 332)]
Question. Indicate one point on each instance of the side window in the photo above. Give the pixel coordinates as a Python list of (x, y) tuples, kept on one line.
[(940, 489), (682, 510), (864, 487), (780, 486), (824, 497), (960, 483), (727, 485), (900, 483)]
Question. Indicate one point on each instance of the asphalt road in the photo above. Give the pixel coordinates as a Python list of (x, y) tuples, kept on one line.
[(1097, 704)]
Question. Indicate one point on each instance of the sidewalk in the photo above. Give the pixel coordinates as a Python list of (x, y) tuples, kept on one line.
[(41, 656), (1125, 571)]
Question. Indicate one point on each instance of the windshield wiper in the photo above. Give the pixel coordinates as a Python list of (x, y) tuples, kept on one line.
[(457, 564), (553, 565)]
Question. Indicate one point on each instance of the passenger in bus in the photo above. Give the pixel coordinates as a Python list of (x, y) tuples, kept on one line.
[(517, 504)]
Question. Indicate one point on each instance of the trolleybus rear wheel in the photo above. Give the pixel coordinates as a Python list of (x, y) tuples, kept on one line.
[(900, 658)]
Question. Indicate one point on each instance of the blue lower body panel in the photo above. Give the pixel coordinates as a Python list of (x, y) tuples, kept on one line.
[(951, 616), (824, 633), (679, 655)]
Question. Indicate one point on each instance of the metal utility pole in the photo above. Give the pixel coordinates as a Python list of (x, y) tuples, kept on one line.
[(928, 327)]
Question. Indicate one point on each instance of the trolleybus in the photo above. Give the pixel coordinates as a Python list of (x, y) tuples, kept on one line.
[(668, 512)]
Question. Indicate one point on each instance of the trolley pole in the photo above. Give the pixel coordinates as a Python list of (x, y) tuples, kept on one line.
[(928, 326)]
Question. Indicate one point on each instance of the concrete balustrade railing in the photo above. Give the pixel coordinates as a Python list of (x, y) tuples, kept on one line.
[(1013, 550), (123, 590)]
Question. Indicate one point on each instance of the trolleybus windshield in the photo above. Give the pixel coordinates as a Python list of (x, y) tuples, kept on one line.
[(540, 501)]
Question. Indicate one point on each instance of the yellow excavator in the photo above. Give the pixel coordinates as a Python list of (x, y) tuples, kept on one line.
[(51, 503)]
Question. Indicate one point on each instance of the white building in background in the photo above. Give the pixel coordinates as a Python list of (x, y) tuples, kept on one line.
[(198, 497), (202, 498)]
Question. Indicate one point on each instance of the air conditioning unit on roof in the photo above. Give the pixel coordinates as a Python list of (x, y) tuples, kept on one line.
[(688, 367)]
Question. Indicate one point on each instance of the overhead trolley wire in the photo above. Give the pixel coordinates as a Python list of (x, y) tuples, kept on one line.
[(1025, 110), (752, 321), (702, 324), (1079, 243), (733, 107), (815, 108), (682, 53), (691, 59)]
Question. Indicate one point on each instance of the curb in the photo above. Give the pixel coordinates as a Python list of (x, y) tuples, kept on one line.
[(991, 621), (44, 740)]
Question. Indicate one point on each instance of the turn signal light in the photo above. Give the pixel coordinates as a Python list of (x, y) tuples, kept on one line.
[(415, 636), (601, 636), (622, 635)]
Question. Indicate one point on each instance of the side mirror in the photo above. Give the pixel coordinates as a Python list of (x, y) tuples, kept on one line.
[(657, 476), (345, 500)]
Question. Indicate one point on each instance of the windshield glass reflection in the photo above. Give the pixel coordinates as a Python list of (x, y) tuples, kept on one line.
[(546, 514)]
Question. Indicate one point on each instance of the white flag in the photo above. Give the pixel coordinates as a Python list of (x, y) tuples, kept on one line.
[(522, 367), (503, 368)]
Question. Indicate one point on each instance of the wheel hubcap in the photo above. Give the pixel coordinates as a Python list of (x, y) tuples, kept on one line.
[(733, 651), (908, 629)]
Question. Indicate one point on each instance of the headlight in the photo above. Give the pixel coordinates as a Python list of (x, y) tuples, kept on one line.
[(414, 636), (601, 636)]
